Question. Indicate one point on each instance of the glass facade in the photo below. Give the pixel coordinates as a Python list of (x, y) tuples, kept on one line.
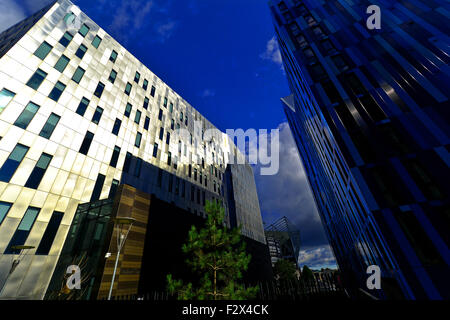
[(367, 110)]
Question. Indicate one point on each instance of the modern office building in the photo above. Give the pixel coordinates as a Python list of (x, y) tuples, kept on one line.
[(369, 112), (283, 240), (80, 116)]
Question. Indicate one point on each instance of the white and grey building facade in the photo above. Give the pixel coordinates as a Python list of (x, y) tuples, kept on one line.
[(80, 115)]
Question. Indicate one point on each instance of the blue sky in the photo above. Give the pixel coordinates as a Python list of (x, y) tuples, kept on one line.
[(222, 57)]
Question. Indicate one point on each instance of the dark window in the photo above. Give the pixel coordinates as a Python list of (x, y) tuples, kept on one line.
[(98, 188), (327, 46), (113, 56), (137, 118), (96, 42), (195, 174), (317, 70), (168, 138), (165, 102), (171, 107), (388, 186), (192, 193), (23, 230), (183, 188), (172, 124), (186, 120), (27, 115), (152, 92), (4, 208), (146, 123), (372, 108), (97, 115), (82, 106), (137, 76), (169, 158), (43, 50), (301, 40), (116, 127), (181, 116), (36, 79), (62, 63), (127, 162), (159, 181), (112, 76), (49, 126), (99, 90), (65, 39), (155, 150), (57, 91), (355, 84), (38, 172), (203, 198), (394, 139), (128, 88), (145, 84), (190, 171), (198, 196), (113, 190), (137, 168), (340, 63), (424, 180), (419, 240), (137, 143), (86, 143), (84, 30), (115, 157), (78, 75), (160, 114), (318, 32), (128, 110), (146, 103), (81, 51), (50, 233), (161, 133)]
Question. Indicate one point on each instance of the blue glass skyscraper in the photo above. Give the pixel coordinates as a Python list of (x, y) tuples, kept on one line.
[(369, 112)]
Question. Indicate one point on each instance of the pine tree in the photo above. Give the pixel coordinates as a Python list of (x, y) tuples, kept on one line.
[(218, 256)]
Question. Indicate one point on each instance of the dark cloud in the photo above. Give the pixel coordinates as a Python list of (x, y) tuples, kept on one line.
[(288, 194)]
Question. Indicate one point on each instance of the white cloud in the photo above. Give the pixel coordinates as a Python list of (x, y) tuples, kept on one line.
[(10, 14), (166, 29), (208, 93), (317, 257), (272, 52)]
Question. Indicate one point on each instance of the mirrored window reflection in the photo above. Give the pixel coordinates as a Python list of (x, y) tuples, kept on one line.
[(86, 143), (27, 115), (82, 106), (23, 230), (38, 172), (5, 98), (43, 50), (57, 90), (78, 75), (4, 208), (50, 233), (113, 190), (81, 51), (65, 39), (62, 63), (36, 79), (49, 126), (96, 42), (97, 115), (116, 127), (84, 30)]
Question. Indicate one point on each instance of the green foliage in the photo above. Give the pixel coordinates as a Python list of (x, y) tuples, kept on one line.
[(285, 270), (218, 256)]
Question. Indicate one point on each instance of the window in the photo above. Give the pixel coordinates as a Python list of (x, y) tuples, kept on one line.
[(318, 32), (23, 230), (5, 98), (146, 123), (327, 46), (49, 126), (99, 90), (137, 168), (169, 158), (301, 40), (4, 208), (57, 91), (112, 76), (82, 106), (146, 101), (113, 56), (81, 51), (50, 233), (98, 187), (186, 120), (78, 75), (372, 108), (62, 63), (116, 127), (86, 143), (346, 117), (355, 84), (165, 102), (36, 79), (152, 92), (423, 180), (181, 116), (84, 30), (127, 162), (145, 84), (97, 115), (170, 187), (398, 144), (161, 133), (38, 172), (137, 143), (159, 181), (317, 71), (137, 76), (195, 174), (113, 190), (128, 88), (12, 163), (172, 124), (168, 138), (183, 188), (27, 115), (43, 50), (171, 107), (310, 20), (160, 114), (65, 39), (128, 110), (115, 157), (340, 63), (155, 150), (96, 42), (206, 181), (192, 193), (190, 171), (137, 118)]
